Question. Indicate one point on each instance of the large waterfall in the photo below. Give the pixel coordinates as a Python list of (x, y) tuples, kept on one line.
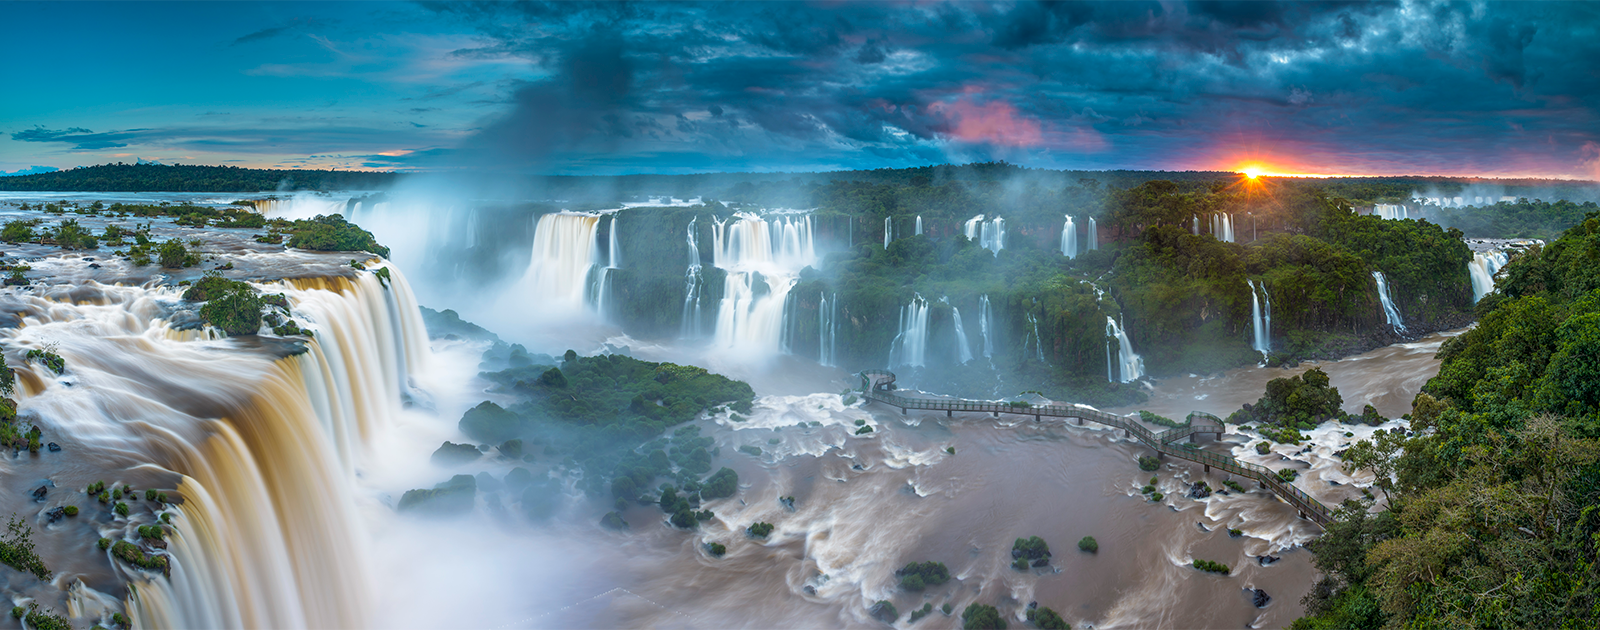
[(565, 252), (1482, 268), (262, 447), (1390, 313), (1069, 239), (990, 234), (1390, 211), (1128, 365), (986, 325), (963, 349), (910, 345), (1260, 318), (763, 260), (1222, 227)]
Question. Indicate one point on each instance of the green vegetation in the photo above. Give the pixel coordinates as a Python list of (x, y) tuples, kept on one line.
[(884, 611), (332, 233), (946, 608), (613, 520), (1234, 485), (49, 358), (1299, 402), (41, 620), (982, 617), (1492, 519), (920, 575), (1160, 420), (760, 530), (1032, 549), (1047, 619), (925, 610), (230, 305), (1263, 447), (950, 449), (864, 430), (1149, 464), (1235, 533), (69, 235), (1519, 219), (721, 485), (121, 177), (451, 497), (16, 549), (71, 510), (1089, 544), (751, 450), (1287, 475), (716, 549), (1212, 567), (1157, 497), (151, 532), (19, 231), (121, 509), (131, 554)]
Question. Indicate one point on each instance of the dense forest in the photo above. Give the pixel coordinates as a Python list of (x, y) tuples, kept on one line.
[(1493, 515), (190, 178)]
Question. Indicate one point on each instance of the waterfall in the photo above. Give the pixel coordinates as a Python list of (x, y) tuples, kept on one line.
[(1194, 225), (1482, 268), (990, 234), (985, 324), (1069, 239), (828, 331), (262, 448), (1038, 342), (963, 351), (1390, 313), (763, 259), (910, 345), (919, 225), (1390, 211), (1093, 238), (888, 231), (690, 327), (1222, 227), (1128, 363), (565, 251), (1260, 319)]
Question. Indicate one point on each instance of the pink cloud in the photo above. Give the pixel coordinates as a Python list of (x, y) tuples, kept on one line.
[(995, 122)]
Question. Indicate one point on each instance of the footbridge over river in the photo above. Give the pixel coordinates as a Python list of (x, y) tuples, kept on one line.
[(878, 385)]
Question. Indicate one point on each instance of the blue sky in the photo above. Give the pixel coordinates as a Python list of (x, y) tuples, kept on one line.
[(602, 88)]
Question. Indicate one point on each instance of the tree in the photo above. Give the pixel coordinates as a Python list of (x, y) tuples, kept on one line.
[(1380, 455)]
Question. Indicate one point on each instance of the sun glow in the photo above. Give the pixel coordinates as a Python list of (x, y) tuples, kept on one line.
[(1252, 172)]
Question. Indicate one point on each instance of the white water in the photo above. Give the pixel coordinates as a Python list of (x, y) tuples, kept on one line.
[(1390, 211), (1092, 239), (1482, 268), (1222, 227), (919, 225), (1069, 239), (763, 260), (1129, 365), (888, 231), (963, 351), (1260, 318), (565, 251), (990, 234), (1390, 313), (985, 325), (910, 345), (1194, 224), (1038, 342), (828, 331)]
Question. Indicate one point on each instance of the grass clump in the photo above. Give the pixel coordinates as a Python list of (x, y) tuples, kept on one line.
[(1149, 464), (864, 430), (1089, 544), (717, 549), (49, 358), (760, 530), (131, 554), (921, 612), (1032, 549), (1212, 566), (920, 575)]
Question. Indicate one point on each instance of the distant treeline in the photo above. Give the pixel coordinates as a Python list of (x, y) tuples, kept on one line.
[(121, 177)]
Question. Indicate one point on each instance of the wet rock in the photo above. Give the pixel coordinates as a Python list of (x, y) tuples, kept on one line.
[(1202, 526), (1260, 598), (1334, 483), (787, 503), (40, 492), (1042, 562), (857, 467), (54, 448), (1199, 490), (810, 590), (1033, 605), (94, 265), (55, 514), (884, 611), (1266, 560)]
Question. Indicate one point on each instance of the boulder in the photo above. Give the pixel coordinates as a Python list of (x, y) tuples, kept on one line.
[(54, 448), (40, 492), (1199, 490), (1260, 598), (1266, 560), (450, 454)]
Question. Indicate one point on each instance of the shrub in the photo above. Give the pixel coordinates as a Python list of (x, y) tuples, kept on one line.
[(717, 549), (16, 549), (1213, 567), (49, 358), (1157, 496), (1032, 548), (919, 575), (237, 311), (131, 554), (613, 520), (452, 454), (70, 235), (864, 430), (1149, 464), (982, 617), (921, 612), (38, 620), (721, 485), (1235, 533), (1263, 447), (121, 509), (454, 496), (1047, 619), (151, 532), (103, 543), (884, 611), (950, 449), (1089, 544), (19, 231), (1288, 475), (71, 510), (946, 608), (332, 233), (149, 495), (1233, 485), (173, 255), (1020, 564), (760, 530), (751, 450), (1147, 489)]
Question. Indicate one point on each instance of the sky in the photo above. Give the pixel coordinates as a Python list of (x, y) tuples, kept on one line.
[(1330, 88)]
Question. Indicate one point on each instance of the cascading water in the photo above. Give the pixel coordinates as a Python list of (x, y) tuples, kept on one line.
[(888, 231), (919, 225), (1129, 365), (985, 324), (988, 234), (1260, 318), (1390, 313), (828, 331), (1069, 239), (565, 252), (1390, 211), (963, 350), (763, 260), (910, 345), (1222, 227), (1038, 342), (1092, 239), (1194, 225), (613, 262), (1482, 268), (690, 327)]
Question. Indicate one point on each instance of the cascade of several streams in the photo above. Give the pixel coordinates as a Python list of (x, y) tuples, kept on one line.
[(763, 260), (1260, 318), (565, 252), (1069, 239), (1128, 365), (910, 345), (1482, 268), (1038, 342), (690, 327), (1390, 313), (1222, 227), (988, 234)]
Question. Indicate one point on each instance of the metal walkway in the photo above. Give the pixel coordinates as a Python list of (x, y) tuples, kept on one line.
[(878, 385)]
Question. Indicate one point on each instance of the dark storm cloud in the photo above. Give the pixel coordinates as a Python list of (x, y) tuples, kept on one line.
[(1357, 86)]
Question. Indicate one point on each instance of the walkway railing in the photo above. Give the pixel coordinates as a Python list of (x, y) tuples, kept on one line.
[(878, 385)]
